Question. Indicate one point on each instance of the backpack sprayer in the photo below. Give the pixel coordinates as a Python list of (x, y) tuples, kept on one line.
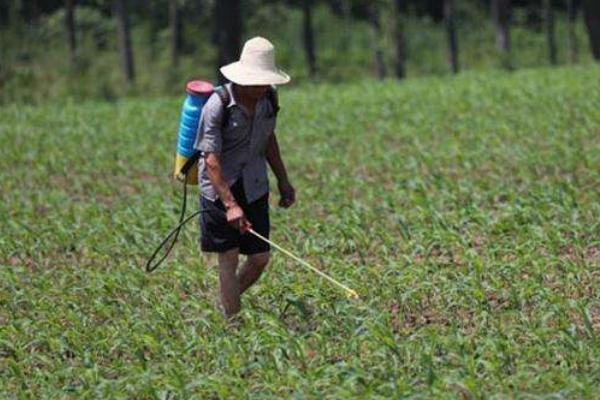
[(186, 159), (186, 171)]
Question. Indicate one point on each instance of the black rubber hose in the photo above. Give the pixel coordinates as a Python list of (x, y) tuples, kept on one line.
[(182, 220), (174, 234)]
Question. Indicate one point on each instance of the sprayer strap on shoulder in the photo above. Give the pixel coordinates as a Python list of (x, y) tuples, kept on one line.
[(223, 94), (225, 98), (273, 98)]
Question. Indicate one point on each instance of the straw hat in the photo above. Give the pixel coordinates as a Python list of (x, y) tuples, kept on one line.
[(256, 65)]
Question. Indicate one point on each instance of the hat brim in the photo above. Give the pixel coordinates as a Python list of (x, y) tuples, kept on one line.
[(242, 75)]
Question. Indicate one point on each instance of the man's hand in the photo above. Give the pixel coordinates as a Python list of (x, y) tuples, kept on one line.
[(287, 194), (236, 217), (286, 190)]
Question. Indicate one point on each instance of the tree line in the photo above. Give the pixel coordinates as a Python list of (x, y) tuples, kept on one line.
[(229, 25)]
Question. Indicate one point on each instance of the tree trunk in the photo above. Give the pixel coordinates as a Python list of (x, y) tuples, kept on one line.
[(400, 47), (228, 32), (346, 34), (501, 10), (309, 40), (550, 34), (4, 13), (175, 25), (451, 34), (379, 65), (70, 24), (591, 11), (572, 37), (14, 13), (35, 12), (125, 40)]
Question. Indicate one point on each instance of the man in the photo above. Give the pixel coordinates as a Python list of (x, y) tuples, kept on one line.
[(237, 140)]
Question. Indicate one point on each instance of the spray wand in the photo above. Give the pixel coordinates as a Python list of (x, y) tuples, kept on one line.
[(351, 293)]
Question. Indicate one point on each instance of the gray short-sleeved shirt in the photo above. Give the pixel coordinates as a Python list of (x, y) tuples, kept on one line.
[(241, 144)]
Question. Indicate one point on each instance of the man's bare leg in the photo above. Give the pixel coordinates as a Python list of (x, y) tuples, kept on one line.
[(252, 269), (230, 286)]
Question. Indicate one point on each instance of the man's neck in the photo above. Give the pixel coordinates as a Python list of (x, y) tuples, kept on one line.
[(247, 102)]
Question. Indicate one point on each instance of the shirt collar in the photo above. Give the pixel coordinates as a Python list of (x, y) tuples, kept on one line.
[(233, 102)]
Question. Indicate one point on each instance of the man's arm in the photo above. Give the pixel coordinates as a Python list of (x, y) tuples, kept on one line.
[(286, 190), (209, 141), (215, 175), (235, 214)]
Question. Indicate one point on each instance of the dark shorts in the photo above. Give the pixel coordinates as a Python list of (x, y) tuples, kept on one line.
[(217, 236)]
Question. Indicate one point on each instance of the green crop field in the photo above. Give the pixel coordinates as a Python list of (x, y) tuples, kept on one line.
[(465, 212)]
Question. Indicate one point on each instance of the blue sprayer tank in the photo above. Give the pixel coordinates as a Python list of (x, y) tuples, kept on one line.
[(198, 93)]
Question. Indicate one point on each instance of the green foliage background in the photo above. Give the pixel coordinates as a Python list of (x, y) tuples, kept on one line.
[(464, 211), (36, 68)]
